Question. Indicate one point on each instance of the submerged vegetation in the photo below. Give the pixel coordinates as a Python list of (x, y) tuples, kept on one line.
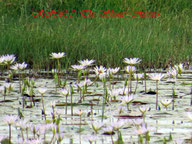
[(158, 41)]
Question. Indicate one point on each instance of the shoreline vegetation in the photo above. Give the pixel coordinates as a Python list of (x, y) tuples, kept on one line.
[(159, 41)]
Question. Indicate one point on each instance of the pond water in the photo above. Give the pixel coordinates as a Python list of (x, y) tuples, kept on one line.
[(161, 123)]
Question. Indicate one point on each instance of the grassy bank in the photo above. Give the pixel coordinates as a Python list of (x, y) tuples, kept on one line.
[(157, 41)]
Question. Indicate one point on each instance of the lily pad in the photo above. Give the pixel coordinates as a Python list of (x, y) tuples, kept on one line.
[(129, 116)]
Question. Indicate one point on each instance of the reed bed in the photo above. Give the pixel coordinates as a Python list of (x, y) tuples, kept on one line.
[(158, 41)]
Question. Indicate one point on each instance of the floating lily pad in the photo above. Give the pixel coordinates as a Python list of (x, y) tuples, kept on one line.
[(106, 133), (66, 104), (186, 83), (12, 100), (113, 101), (151, 93), (139, 102), (165, 113), (129, 116)]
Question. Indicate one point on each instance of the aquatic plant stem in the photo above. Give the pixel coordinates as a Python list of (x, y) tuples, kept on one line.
[(5, 92), (125, 85), (80, 124), (112, 138), (113, 82), (136, 87), (140, 139), (22, 135), (130, 83), (52, 138), (173, 99), (43, 105), (128, 107), (9, 133), (91, 111), (27, 132), (53, 114), (104, 99), (145, 77), (191, 95), (58, 75), (19, 82), (79, 76), (71, 101), (66, 104), (157, 89)]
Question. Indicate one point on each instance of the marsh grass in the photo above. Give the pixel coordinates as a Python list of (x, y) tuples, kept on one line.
[(157, 41)]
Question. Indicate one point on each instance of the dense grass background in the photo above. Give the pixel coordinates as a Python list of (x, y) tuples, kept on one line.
[(157, 41)]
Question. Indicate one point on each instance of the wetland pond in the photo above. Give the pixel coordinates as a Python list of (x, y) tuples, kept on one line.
[(95, 105)]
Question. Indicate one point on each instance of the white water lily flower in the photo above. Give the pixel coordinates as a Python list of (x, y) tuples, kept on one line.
[(132, 61), (171, 80), (142, 130), (102, 76), (87, 82), (118, 124), (112, 71), (166, 102), (19, 66), (10, 119), (179, 67), (96, 126), (138, 76), (15, 67), (120, 109), (80, 112), (99, 70), (53, 104), (54, 71), (123, 91), (92, 138), (57, 55), (130, 69), (143, 109), (138, 122), (78, 67), (59, 136), (42, 90), (64, 92), (128, 99), (86, 62), (108, 129), (2, 60), (156, 76), (114, 92), (51, 126), (8, 86), (79, 85), (172, 73), (8, 59), (21, 123)]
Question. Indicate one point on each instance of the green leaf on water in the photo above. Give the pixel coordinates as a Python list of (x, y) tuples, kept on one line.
[(186, 83), (120, 139), (5, 141), (49, 121), (147, 136)]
